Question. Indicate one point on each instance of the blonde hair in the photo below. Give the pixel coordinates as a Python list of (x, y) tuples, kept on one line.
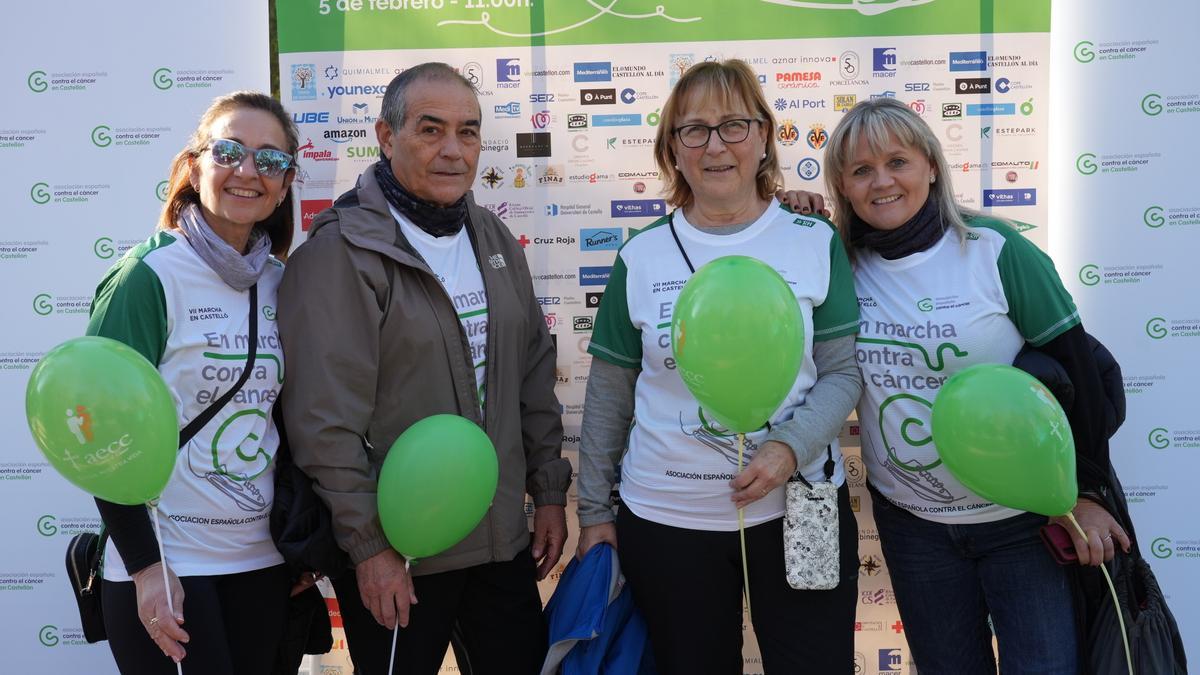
[(733, 83)]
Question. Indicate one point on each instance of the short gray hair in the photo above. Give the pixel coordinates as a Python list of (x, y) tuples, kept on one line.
[(395, 104), (875, 120)]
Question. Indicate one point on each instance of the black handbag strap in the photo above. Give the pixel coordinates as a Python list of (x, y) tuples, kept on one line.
[(204, 417)]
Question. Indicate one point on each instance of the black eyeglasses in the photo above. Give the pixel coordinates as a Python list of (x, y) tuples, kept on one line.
[(730, 131), (268, 162)]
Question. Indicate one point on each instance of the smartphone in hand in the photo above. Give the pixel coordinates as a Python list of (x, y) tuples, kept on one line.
[(1058, 541)]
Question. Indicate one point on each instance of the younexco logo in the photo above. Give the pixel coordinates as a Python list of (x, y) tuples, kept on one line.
[(1156, 328), (1161, 548), (162, 79), (1086, 164), (46, 526), (1159, 438), (37, 81), (1153, 217), (42, 305), (1083, 52), (1152, 104), (100, 136), (103, 248), (39, 194), (1088, 275)]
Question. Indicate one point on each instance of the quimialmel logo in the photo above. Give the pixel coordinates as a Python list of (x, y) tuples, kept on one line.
[(39, 194), (1088, 275), (160, 190), (925, 304), (1086, 164), (1158, 438), (162, 79), (1152, 104), (42, 305), (100, 136), (48, 635), (1156, 328), (1153, 217), (37, 81), (103, 248), (1161, 548), (46, 526), (1083, 52)]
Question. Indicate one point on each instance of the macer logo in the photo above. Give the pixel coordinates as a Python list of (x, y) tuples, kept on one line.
[(967, 61), (884, 61), (309, 208), (599, 239), (973, 85), (890, 660), (637, 208), (598, 96), (508, 73), (594, 276), (593, 71)]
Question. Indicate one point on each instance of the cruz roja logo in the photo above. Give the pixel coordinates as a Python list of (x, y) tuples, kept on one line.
[(1155, 328), (39, 194), (162, 79), (1083, 52), (1152, 104), (1153, 217), (1088, 275), (1161, 548), (103, 248), (1159, 438), (1086, 164), (46, 526)]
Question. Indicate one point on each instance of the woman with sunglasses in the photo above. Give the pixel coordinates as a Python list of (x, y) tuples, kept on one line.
[(184, 299), (680, 487)]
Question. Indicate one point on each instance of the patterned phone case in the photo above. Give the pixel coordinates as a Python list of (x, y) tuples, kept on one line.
[(810, 536)]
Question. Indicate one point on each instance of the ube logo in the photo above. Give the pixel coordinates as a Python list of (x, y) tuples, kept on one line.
[(594, 276), (884, 60), (637, 208), (968, 61), (1015, 197), (311, 118), (599, 239), (593, 71)]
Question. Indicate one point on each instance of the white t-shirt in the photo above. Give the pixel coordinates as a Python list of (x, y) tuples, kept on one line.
[(927, 316), (678, 467), (452, 259)]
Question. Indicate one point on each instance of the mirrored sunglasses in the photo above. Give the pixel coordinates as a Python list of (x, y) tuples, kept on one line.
[(268, 162)]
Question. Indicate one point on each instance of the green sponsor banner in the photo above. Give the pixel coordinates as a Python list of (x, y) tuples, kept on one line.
[(345, 25)]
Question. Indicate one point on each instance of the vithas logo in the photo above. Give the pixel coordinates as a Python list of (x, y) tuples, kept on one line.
[(1083, 52), (1088, 275), (1159, 438), (39, 194), (100, 137), (162, 79)]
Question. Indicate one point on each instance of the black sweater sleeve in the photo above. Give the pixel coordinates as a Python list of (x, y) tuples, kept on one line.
[(1072, 350), (132, 534)]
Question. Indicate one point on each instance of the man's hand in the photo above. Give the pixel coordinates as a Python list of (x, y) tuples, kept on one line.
[(1102, 530), (386, 588), (549, 535), (595, 534), (772, 466)]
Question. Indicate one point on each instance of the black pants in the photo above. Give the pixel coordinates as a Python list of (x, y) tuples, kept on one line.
[(494, 611), (688, 585), (235, 622)]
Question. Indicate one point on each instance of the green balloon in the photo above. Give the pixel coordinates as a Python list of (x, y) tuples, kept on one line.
[(436, 484), (1002, 434), (104, 418), (738, 340)]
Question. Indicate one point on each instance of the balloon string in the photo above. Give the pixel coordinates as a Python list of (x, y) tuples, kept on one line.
[(153, 504), (742, 535), (396, 630), (1116, 603)]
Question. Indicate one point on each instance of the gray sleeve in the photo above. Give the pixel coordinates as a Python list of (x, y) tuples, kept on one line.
[(607, 415), (819, 419)]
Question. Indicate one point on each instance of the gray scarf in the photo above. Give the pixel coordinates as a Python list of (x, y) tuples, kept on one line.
[(239, 271)]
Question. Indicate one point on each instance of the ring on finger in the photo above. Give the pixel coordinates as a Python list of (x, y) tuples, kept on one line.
[(153, 621)]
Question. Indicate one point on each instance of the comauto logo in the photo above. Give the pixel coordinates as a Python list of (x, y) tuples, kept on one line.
[(162, 79), (1088, 275), (100, 137), (1152, 104), (1083, 52), (103, 248), (1159, 438), (39, 194), (37, 81), (1153, 217)]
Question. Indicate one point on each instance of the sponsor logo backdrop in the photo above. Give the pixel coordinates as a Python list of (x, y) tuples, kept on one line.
[(97, 103)]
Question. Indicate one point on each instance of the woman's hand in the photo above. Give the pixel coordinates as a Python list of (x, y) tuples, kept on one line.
[(1101, 530), (596, 534), (306, 581), (162, 622), (803, 202), (772, 466)]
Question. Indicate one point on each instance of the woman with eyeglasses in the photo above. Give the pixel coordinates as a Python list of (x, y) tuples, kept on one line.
[(677, 527), (194, 299)]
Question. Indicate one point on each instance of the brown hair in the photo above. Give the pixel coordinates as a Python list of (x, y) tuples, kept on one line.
[(279, 226), (734, 83)]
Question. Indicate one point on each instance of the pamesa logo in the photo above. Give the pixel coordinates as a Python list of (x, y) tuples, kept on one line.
[(39, 193), (162, 79), (37, 81), (1083, 52), (100, 137)]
